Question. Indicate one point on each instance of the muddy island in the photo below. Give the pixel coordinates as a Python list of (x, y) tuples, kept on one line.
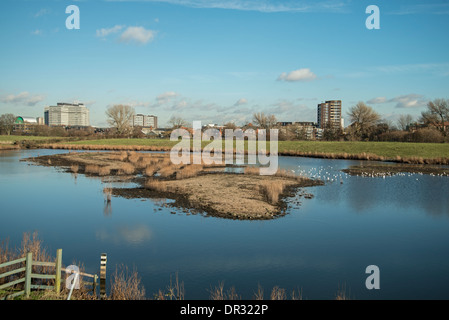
[(218, 190)]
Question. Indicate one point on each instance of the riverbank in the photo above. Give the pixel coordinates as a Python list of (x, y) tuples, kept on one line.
[(400, 152), (204, 188)]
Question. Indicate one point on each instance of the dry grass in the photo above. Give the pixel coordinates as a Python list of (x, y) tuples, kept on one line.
[(175, 290), (74, 168), (272, 190), (104, 171), (156, 185), (91, 168), (218, 293), (126, 285), (189, 171), (150, 170), (167, 170), (126, 168)]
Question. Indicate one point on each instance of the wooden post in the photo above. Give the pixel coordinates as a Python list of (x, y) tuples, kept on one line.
[(28, 270), (94, 285), (104, 259), (58, 264)]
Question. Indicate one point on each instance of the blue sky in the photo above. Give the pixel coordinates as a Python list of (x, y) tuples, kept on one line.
[(219, 61)]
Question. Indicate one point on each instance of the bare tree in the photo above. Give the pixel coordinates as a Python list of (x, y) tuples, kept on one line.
[(363, 119), (404, 121), (120, 116), (437, 114), (263, 121), (177, 122), (7, 123)]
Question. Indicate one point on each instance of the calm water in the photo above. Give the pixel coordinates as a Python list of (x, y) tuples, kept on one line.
[(400, 224)]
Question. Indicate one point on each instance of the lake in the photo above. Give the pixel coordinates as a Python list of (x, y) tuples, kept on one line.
[(323, 244)]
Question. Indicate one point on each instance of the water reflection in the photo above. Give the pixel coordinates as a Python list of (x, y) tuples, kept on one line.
[(134, 235)]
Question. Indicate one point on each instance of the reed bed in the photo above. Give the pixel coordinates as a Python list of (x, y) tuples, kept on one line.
[(272, 190), (126, 168), (156, 185), (283, 152), (189, 171)]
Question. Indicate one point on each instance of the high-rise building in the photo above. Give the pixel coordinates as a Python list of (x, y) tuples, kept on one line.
[(67, 114), (329, 112), (140, 120)]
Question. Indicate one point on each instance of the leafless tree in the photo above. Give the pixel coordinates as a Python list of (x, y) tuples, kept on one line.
[(363, 119), (177, 122), (7, 123), (263, 121), (120, 116), (436, 115), (404, 121)]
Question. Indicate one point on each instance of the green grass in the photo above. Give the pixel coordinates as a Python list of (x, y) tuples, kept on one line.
[(4, 138), (385, 149)]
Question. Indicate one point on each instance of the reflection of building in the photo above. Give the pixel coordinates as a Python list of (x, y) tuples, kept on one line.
[(67, 114), (26, 124), (140, 120), (329, 112)]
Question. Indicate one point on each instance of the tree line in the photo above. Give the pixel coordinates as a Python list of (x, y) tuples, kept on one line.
[(365, 125)]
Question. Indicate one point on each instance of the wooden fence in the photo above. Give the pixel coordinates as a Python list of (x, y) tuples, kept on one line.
[(25, 265)]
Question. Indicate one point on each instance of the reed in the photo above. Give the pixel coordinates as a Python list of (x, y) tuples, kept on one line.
[(189, 171), (74, 168), (272, 190), (126, 168), (91, 168), (104, 171), (156, 185)]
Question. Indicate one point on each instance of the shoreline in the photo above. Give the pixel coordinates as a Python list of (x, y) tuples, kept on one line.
[(291, 153)]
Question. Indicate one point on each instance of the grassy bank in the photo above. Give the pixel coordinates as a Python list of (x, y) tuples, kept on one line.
[(422, 153)]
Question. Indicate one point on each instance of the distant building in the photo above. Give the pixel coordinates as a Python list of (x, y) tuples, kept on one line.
[(140, 120), (67, 114), (26, 124), (329, 112)]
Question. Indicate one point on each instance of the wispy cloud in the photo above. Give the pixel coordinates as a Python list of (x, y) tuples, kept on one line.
[(268, 6), (297, 75), (411, 100), (133, 34), (41, 13), (23, 98), (104, 32), (137, 35), (425, 8), (240, 102), (36, 32)]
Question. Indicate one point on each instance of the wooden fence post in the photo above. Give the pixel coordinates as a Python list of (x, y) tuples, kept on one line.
[(58, 264), (104, 259), (94, 285), (28, 270)]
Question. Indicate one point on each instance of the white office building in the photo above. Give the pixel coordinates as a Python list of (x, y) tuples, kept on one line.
[(140, 120), (67, 114)]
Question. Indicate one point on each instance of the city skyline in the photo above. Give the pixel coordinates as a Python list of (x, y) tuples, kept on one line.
[(220, 61)]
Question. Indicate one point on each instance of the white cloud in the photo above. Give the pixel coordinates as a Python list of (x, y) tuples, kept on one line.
[(241, 102), (137, 35), (104, 32), (166, 97), (411, 100), (298, 75), (22, 98), (36, 32), (377, 100)]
